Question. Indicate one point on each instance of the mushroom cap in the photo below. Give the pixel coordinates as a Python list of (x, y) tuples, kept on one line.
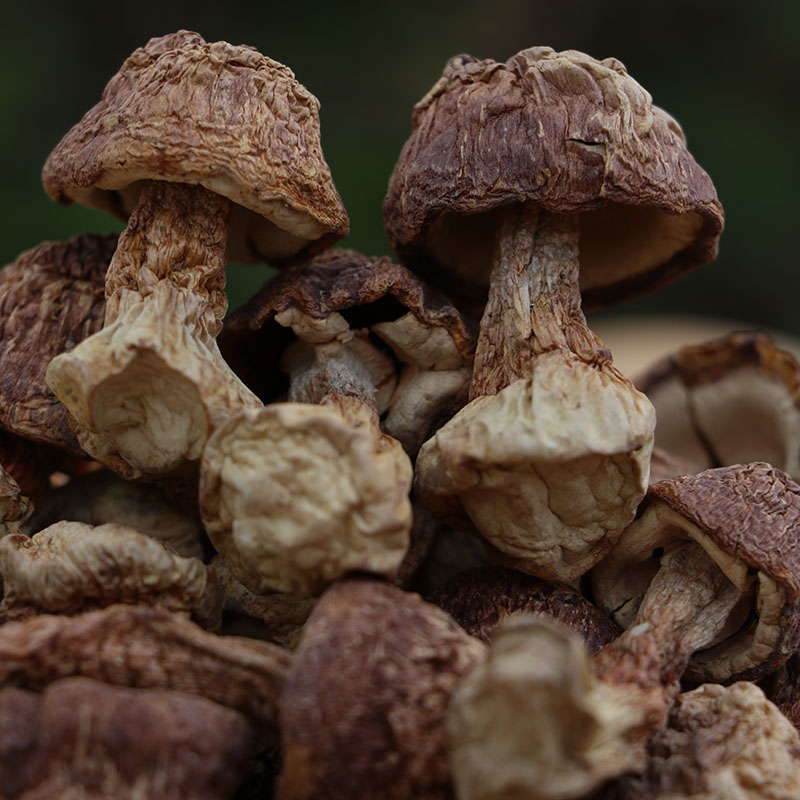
[(83, 738), (747, 519), (703, 395), (575, 136), (362, 714), (71, 566), (215, 115), (51, 299), (365, 290)]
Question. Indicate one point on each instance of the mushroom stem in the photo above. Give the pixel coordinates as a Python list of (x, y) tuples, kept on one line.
[(534, 303)]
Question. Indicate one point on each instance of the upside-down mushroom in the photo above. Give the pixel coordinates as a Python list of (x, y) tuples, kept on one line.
[(546, 177), (190, 139)]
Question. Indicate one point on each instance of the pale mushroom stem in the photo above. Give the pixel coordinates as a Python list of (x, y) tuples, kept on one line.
[(176, 233), (534, 300), (687, 605)]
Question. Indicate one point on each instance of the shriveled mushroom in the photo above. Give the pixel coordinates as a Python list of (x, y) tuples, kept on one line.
[(721, 743), (190, 138), (481, 599), (731, 400), (83, 738), (296, 494), (70, 567), (148, 648), (363, 711), (550, 459)]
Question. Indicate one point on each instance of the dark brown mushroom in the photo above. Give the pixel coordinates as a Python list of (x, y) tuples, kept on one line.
[(83, 738), (191, 138), (363, 711)]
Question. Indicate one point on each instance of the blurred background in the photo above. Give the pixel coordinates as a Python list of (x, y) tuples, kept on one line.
[(726, 70)]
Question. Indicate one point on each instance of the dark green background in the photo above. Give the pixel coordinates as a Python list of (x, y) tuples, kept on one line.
[(728, 71)]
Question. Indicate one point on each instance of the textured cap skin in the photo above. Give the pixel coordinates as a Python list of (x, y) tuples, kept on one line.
[(570, 133), (82, 738), (215, 115), (51, 299)]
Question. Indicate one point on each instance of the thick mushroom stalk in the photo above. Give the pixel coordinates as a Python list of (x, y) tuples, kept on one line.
[(551, 457), (296, 494), (145, 392)]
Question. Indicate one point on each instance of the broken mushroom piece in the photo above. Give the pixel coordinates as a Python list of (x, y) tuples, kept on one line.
[(83, 738), (742, 524), (481, 599), (70, 567), (212, 149), (605, 200), (720, 743), (731, 400), (362, 714)]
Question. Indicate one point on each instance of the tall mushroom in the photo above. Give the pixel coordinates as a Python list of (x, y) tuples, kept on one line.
[(214, 150), (547, 176)]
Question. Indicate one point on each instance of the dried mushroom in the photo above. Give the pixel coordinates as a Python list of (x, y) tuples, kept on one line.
[(721, 743), (363, 711), (732, 400), (148, 648), (742, 523), (533, 722), (481, 599), (191, 140), (84, 739), (550, 459), (70, 567), (298, 493)]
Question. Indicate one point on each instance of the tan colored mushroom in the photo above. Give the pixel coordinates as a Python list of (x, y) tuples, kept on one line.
[(190, 138), (731, 400), (70, 567), (363, 711), (82, 738), (550, 459)]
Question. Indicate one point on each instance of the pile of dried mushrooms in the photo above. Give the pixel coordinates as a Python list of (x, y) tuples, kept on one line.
[(389, 530)]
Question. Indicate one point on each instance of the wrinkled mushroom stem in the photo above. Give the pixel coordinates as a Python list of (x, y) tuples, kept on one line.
[(534, 303), (686, 607)]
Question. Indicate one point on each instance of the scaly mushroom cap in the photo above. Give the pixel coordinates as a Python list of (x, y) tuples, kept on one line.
[(363, 711), (721, 743), (215, 115), (732, 400), (574, 135), (82, 738), (568, 447), (148, 648), (481, 599), (51, 299), (71, 566), (747, 519), (295, 495)]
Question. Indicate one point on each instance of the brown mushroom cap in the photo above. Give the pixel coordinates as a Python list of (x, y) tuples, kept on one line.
[(732, 400), (215, 115), (363, 711), (747, 519), (572, 134), (82, 738), (51, 299), (71, 566), (481, 599)]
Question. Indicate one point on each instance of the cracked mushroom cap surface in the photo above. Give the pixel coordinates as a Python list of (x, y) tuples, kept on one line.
[(721, 743), (363, 711), (732, 400), (71, 567), (215, 115), (52, 297), (574, 135), (83, 738), (747, 519)]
